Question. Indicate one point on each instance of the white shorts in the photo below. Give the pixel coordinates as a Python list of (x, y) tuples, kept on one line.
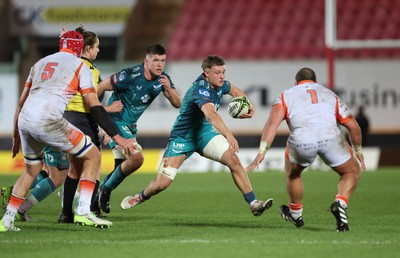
[(59, 135), (333, 150)]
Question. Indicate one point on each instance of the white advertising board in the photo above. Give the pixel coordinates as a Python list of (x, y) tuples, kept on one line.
[(8, 102)]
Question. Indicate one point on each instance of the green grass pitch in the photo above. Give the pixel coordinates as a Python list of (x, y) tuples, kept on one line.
[(204, 215)]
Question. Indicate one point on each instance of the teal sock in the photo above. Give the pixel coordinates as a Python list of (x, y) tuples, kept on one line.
[(42, 175), (43, 189), (249, 197), (115, 179)]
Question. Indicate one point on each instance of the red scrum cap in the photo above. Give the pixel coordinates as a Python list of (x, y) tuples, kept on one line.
[(72, 40)]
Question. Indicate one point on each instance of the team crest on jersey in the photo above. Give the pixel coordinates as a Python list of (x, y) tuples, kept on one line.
[(122, 76), (145, 98)]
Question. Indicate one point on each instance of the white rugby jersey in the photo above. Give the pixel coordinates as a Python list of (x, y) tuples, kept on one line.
[(53, 80), (312, 107)]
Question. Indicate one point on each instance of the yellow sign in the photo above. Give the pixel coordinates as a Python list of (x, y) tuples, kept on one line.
[(15, 165), (104, 14)]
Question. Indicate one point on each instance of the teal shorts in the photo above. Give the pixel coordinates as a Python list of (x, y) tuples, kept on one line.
[(126, 130), (56, 159), (179, 146)]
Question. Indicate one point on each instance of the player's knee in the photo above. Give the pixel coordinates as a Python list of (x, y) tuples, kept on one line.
[(231, 160), (133, 162)]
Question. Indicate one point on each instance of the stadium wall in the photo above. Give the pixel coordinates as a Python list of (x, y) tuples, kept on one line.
[(371, 83)]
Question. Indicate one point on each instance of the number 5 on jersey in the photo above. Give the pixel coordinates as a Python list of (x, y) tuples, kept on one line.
[(49, 70)]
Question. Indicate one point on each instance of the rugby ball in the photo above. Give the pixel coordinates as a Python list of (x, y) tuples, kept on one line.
[(238, 106)]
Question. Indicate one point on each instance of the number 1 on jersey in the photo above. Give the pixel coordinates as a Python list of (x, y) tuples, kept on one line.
[(313, 95)]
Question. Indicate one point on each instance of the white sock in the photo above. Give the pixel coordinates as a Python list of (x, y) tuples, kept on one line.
[(296, 213), (8, 218)]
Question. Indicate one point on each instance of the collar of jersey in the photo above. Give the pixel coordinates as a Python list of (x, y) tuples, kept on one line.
[(305, 81)]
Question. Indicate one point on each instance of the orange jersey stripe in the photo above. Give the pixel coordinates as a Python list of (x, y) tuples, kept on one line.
[(73, 86), (339, 118), (284, 106), (74, 136)]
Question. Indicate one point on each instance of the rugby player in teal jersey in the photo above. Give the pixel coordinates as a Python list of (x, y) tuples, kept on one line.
[(136, 87), (199, 128)]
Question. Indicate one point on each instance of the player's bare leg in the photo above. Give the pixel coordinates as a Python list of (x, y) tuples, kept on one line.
[(21, 188), (164, 179), (294, 187), (239, 175), (131, 164), (349, 176)]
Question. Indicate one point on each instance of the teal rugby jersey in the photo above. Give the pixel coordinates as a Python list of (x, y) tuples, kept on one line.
[(191, 119), (135, 92)]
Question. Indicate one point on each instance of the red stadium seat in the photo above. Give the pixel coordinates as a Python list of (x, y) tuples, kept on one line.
[(280, 29)]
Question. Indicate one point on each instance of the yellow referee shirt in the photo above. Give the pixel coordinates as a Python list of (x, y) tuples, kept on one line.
[(76, 102)]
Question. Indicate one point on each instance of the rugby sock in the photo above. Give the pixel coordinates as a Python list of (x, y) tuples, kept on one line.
[(70, 186), (342, 200), (250, 197), (42, 175), (43, 189), (29, 202), (296, 210), (143, 197), (94, 205), (87, 187), (115, 179), (12, 208)]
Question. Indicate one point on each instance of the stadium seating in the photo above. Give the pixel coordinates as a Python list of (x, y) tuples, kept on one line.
[(280, 29)]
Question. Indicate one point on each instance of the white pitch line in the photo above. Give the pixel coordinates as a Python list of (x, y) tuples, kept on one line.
[(198, 241)]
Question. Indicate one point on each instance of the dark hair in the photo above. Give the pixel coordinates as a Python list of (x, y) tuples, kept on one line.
[(88, 36), (211, 61), (156, 49), (306, 74)]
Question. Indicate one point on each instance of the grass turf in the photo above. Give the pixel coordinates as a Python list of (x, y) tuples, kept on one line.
[(204, 215)]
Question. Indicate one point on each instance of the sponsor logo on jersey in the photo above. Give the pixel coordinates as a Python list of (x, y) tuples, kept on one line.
[(139, 87), (145, 98), (136, 68), (134, 75), (156, 87), (204, 92), (178, 145)]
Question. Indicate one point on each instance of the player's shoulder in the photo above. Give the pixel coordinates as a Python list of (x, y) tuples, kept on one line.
[(201, 82)]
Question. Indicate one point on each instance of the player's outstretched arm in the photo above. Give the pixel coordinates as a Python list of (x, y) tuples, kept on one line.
[(102, 118), (16, 139), (276, 116), (356, 140), (103, 87)]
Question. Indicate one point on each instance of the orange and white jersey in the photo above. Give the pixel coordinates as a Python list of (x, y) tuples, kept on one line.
[(310, 105), (53, 81), (312, 113)]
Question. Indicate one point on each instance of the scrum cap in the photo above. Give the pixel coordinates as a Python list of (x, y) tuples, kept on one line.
[(72, 40)]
